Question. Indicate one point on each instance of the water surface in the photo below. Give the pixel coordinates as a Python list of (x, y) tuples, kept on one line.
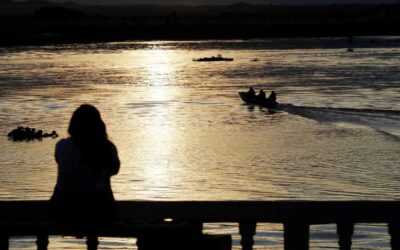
[(183, 133)]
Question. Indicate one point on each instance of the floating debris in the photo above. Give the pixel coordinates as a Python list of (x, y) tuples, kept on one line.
[(27, 134)]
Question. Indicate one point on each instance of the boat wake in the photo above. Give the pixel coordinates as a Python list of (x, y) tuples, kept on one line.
[(386, 122)]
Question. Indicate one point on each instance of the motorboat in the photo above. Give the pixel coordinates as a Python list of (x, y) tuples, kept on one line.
[(254, 99)]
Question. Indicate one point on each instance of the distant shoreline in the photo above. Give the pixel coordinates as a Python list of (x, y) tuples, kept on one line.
[(83, 36), (43, 23)]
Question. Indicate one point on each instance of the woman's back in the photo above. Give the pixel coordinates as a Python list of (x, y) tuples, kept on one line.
[(86, 161), (74, 174)]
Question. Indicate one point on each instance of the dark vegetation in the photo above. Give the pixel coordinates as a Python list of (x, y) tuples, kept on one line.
[(28, 134), (37, 22)]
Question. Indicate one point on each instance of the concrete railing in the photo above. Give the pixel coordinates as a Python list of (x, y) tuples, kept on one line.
[(142, 218)]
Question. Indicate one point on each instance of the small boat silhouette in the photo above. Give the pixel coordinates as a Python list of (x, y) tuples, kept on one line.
[(212, 59), (253, 99)]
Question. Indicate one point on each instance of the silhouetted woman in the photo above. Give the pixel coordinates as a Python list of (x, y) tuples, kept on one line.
[(86, 161)]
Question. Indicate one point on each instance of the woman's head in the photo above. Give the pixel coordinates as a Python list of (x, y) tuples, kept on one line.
[(89, 133), (86, 124)]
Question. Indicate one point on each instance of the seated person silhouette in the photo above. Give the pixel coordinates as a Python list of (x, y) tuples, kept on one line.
[(261, 95), (251, 92), (86, 161), (272, 97)]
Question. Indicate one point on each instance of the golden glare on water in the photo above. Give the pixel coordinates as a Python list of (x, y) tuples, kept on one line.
[(156, 172), (157, 67), (157, 133)]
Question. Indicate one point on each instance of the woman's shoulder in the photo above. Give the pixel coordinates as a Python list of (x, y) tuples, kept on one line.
[(112, 145), (65, 143)]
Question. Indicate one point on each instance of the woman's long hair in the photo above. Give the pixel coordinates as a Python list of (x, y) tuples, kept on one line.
[(90, 136)]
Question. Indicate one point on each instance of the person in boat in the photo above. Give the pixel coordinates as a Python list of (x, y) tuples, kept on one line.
[(86, 161), (272, 97), (261, 95), (251, 92)]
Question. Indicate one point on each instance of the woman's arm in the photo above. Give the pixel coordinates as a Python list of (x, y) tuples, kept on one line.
[(115, 163)]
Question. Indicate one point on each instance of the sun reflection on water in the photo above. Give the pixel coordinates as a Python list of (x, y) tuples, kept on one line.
[(156, 134), (157, 67)]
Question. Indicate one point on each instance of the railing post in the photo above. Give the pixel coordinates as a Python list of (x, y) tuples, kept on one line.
[(345, 232), (3, 242), (92, 242), (42, 241), (247, 230), (296, 236), (394, 231)]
